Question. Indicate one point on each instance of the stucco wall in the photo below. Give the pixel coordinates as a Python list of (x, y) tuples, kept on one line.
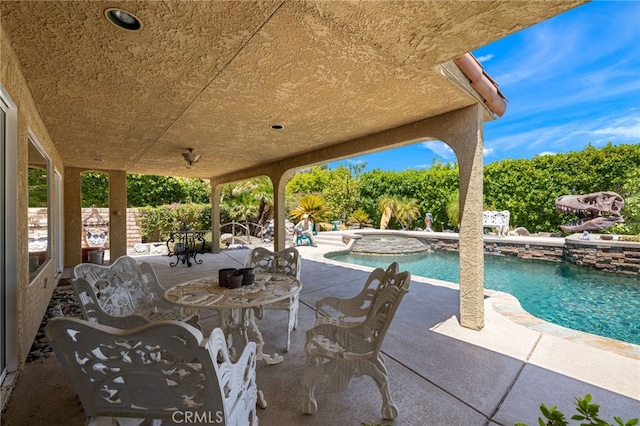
[(32, 298)]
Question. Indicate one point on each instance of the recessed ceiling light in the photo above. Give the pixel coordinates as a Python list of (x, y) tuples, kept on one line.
[(277, 127), (122, 19)]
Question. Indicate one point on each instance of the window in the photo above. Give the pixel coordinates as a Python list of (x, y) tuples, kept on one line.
[(39, 208)]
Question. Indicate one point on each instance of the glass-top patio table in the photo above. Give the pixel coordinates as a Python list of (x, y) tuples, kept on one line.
[(239, 307)]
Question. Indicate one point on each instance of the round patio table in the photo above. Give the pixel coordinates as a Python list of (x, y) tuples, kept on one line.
[(238, 307)]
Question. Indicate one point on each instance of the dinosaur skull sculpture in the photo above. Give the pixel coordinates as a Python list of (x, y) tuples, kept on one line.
[(600, 210)]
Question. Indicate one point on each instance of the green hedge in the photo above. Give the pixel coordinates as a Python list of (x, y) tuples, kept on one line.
[(154, 221)]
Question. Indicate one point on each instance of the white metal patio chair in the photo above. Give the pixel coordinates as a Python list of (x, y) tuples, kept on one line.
[(287, 262), (124, 294), (346, 339), (165, 371)]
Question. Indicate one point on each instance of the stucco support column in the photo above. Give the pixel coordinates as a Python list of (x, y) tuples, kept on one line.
[(465, 135), (216, 190), (117, 214), (279, 179), (72, 217)]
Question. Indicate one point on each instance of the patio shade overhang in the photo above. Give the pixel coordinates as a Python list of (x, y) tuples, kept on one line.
[(216, 76)]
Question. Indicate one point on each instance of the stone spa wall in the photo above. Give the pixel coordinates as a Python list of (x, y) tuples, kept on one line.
[(607, 255), (611, 256)]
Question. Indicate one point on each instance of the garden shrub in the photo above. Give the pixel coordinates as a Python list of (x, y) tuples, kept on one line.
[(155, 221)]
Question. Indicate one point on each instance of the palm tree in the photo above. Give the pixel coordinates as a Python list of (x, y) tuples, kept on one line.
[(387, 206), (244, 207), (314, 206), (263, 192), (250, 199), (407, 211), (239, 203), (360, 218)]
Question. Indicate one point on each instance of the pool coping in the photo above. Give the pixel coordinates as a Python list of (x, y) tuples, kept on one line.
[(509, 307)]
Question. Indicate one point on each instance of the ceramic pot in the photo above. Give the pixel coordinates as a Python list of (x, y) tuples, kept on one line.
[(96, 257), (235, 279), (247, 275), (222, 276)]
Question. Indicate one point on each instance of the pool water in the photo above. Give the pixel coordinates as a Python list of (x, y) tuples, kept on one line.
[(582, 299)]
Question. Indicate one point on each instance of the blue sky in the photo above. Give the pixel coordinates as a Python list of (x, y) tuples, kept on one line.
[(571, 80)]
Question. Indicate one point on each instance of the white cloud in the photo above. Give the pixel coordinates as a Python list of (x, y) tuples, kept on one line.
[(356, 162), (441, 149), (568, 136), (624, 128), (485, 58), (539, 56)]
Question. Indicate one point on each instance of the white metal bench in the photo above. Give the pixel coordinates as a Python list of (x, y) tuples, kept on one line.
[(164, 371), (123, 295), (497, 220)]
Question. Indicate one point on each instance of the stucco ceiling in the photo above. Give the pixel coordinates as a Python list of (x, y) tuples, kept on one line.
[(216, 75)]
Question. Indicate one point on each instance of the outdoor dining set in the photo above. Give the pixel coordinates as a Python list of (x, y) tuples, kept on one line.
[(142, 352)]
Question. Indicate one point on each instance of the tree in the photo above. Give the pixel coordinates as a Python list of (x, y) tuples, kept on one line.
[(431, 187), (360, 218), (38, 189), (407, 211), (630, 192), (145, 190), (386, 207), (261, 191), (314, 206), (343, 190), (308, 181), (528, 188), (453, 208), (95, 189)]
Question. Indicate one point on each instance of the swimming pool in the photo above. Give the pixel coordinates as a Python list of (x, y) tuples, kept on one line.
[(582, 299)]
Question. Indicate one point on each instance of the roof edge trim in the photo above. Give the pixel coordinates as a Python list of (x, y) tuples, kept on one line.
[(482, 83)]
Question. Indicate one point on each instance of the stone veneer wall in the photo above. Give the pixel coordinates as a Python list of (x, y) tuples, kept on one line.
[(617, 256), (504, 248), (610, 256)]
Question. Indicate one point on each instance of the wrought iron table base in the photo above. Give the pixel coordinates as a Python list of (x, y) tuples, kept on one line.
[(185, 245)]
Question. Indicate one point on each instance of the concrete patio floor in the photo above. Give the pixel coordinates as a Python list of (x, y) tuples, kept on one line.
[(439, 372)]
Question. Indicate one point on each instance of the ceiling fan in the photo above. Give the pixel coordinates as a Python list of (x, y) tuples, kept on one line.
[(190, 157)]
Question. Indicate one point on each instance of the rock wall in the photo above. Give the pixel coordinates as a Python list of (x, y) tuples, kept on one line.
[(610, 256), (622, 257), (504, 248)]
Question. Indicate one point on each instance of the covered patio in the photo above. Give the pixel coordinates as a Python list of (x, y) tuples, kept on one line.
[(253, 88), (440, 373)]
